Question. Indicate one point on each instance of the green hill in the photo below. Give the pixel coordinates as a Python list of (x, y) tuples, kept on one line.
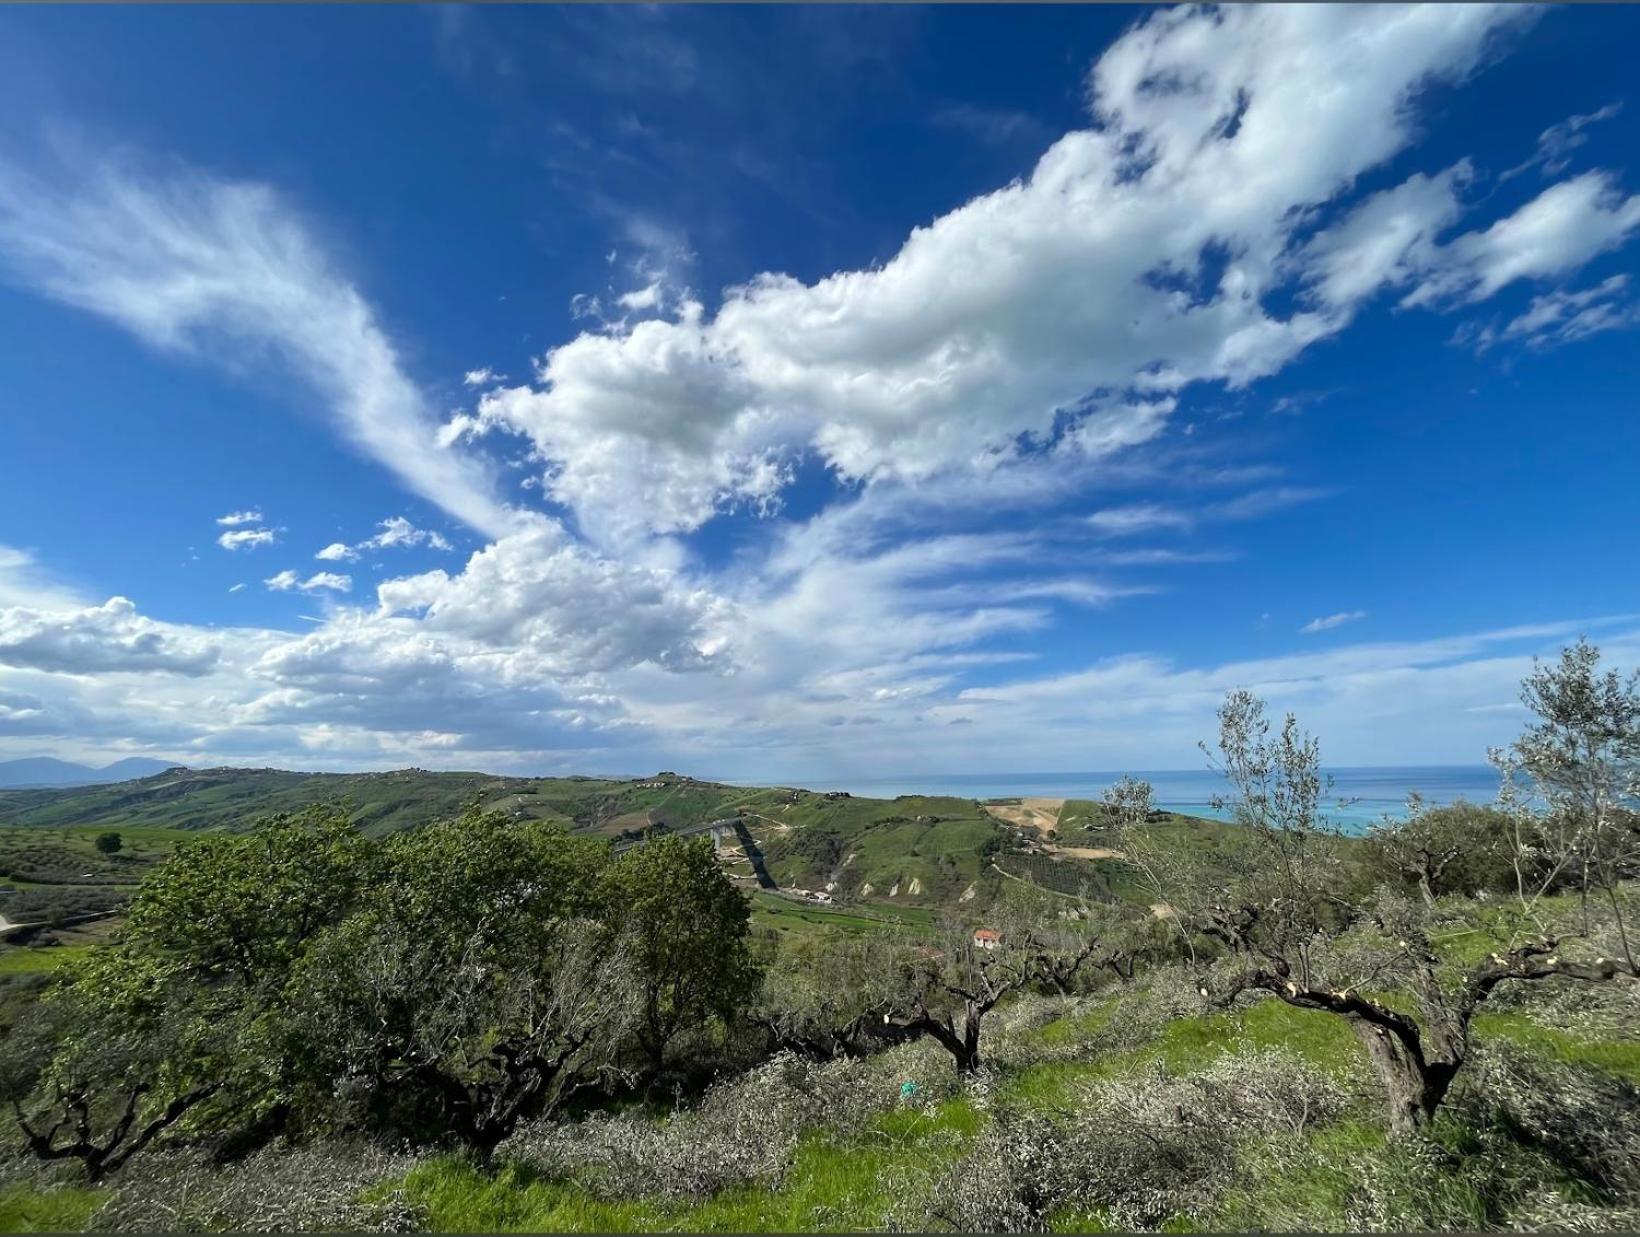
[(915, 850), (237, 798)]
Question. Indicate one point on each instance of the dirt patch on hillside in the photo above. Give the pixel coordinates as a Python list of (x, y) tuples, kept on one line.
[(1042, 815), (784, 826), (1039, 814)]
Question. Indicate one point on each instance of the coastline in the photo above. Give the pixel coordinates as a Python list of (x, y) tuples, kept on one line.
[(1360, 796)]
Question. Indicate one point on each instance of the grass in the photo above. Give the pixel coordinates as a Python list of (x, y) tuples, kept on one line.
[(1190, 1043), (1310, 1189), (461, 1198), (1621, 1057), (1490, 922), (788, 916), (27, 1210), (203, 799), (833, 1185), (1081, 1026), (785, 915), (22, 960)]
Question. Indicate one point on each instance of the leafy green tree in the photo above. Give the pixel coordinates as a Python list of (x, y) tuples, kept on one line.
[(181, 1016), (683, 925), (473, 987), (109, 843), (243, 906)]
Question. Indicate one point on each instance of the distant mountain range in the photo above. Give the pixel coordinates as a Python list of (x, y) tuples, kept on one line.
[(49, 771)]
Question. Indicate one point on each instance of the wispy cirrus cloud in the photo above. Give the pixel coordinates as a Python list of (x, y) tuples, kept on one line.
[(1158, 517), (1331, 621), (1138, 518), (1557, 143), (206, 267), (1562, 316)]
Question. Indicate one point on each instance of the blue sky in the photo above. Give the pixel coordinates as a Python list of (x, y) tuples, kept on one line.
[(785, 392)]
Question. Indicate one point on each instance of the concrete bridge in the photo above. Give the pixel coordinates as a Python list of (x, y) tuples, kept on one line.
[(727, 833), (719, 829)]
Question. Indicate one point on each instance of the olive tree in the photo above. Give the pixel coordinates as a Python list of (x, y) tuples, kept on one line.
[(1579, 827), (1287, 907), (1159, 866), (1031, 941), (1463, 848), (834, 996)]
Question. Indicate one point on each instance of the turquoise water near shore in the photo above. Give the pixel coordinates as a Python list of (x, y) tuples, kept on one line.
[(1359, 797)]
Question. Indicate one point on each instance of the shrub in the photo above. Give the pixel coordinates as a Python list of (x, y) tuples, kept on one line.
[(1586, 1121), (745, 1129), (1555, 1213), (1009, 1180), (277, 1189), (1138, 1150), (1459, 848)]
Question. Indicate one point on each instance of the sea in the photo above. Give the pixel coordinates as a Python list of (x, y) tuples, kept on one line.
[(1357, 798)]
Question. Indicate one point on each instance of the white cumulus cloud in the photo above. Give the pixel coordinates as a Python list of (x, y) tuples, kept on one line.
[(322, 581), (392, 532), (1087, 290), (110, 638), (246, 538)]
